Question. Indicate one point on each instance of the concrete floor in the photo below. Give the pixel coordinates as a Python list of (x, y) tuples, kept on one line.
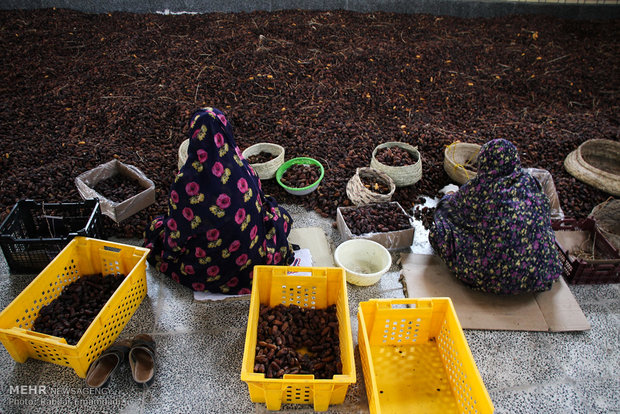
[(200, 350)]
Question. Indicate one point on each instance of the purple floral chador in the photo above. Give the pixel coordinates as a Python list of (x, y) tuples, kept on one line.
[(219, 222), (495, 232)]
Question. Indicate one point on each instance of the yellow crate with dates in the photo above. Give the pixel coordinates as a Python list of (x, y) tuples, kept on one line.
[(83, 256)]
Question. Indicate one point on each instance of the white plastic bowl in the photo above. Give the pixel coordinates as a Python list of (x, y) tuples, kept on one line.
[(364, 261)]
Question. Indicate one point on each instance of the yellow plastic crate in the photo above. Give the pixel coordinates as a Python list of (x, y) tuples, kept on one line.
[(83, 256), (415, 358), (306, 287)]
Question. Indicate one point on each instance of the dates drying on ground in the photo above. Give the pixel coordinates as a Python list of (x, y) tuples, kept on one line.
[(261, 157), (376, 218), (323, 106), (118, 188), (300, 175), (296, 340), (395, 157), (425, 215), (71, 313), (375, 185)]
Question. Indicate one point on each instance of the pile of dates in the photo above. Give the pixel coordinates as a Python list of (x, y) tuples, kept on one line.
[(300, 175), (70, 314), (296, 340), (261, 157), (118, 188), (426, 215), (376, 218), (375, 185), (395, 157)]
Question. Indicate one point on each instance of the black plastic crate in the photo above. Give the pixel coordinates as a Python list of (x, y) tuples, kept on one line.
[(34, 233)]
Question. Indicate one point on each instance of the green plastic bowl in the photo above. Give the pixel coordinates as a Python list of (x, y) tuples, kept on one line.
[(299, 160)]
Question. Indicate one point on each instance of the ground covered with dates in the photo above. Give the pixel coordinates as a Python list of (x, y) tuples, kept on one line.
[(81, 89)]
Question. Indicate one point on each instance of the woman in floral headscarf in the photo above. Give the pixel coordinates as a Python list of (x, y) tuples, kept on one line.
[(495, 232), (219, 222)]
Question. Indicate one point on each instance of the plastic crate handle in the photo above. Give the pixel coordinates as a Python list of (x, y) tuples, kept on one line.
[(303, 271), (389, 303), (38, 335)]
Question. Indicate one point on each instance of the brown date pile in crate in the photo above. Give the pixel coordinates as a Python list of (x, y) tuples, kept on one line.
[(301, 175), (395, 157), (261, 157), (296, 340), (71, 313), (118, 188), (376, 219)]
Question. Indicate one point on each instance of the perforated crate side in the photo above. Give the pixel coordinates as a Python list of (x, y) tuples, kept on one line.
[(467, 386)]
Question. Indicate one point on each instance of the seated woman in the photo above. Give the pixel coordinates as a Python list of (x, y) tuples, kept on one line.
[(495, 232), (219, 222)]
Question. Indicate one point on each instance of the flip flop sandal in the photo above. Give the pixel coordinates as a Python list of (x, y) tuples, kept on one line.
[(142, 359), (100, 371)]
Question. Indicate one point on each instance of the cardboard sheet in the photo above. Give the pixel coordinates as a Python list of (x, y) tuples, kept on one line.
[(314, 251), (315, 240), (556, 310)]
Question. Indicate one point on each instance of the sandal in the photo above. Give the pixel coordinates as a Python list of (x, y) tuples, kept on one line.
[(142, 359), (100, 371)]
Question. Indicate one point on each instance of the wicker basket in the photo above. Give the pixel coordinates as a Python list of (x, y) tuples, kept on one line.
[(607, 217), (360, 195), (596, 162), (403, 175), (182, 153), (266, 170), (459, 161)]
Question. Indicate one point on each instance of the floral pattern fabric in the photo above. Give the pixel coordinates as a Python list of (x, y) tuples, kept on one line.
[(495, 232), (219, 223)]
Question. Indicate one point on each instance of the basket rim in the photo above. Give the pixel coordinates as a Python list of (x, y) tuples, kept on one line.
[(373, 170), (590, 167), (578, 167), (260, 146), (403, 175), (363, 192), (455, 145), (265, 170), (390, 144), (457, 171), (182, 153)]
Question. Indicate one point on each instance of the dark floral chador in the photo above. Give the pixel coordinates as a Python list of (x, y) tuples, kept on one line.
[(495, 232), (219, 223)]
